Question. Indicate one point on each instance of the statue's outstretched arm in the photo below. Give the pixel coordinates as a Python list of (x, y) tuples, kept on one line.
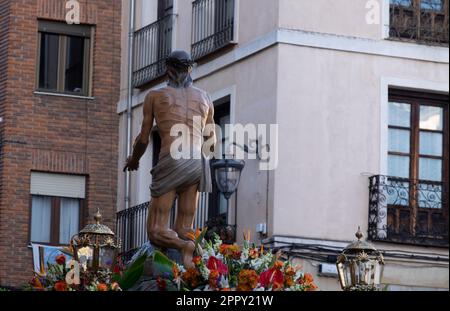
[(142, 140)]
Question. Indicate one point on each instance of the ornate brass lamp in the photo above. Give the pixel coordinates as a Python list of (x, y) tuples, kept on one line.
[(95, 246), (360, 266)]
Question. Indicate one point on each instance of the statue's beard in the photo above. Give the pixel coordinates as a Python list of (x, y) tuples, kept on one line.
[(179, 78)]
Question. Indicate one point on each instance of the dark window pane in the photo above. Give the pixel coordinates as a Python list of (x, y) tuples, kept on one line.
[(48, 68), (74, 65)]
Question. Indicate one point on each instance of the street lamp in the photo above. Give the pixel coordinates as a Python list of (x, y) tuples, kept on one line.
[(360, 266), (227, 173), (95, 246)]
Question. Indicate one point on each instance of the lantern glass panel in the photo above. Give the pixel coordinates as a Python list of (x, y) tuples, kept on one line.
[(106, 258), (227, 179), (86, 256)]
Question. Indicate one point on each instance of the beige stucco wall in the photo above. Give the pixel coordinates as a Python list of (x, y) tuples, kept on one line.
[(328, 113), (332, 17), (256, 90)]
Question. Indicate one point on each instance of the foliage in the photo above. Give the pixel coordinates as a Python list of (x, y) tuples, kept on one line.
[(56, 279), (224, 267)]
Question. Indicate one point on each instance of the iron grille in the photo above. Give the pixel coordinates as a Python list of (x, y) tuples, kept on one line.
[(152, 44), (212, 26), (408, 211), (420, 20)]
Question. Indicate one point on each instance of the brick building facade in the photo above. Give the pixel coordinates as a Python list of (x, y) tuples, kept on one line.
[(53, 130)]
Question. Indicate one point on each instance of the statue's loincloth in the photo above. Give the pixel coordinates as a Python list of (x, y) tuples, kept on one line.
[(171, 174)]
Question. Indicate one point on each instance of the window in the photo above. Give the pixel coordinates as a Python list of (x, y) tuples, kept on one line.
[(212, 26), (420, 20), (418, 128), (152, 44), (218, 205), (54, 220), (57, 202), (64, 58), (417, 191)]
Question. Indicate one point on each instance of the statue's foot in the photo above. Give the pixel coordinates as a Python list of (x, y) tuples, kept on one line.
[(187, 253), (186, 233)]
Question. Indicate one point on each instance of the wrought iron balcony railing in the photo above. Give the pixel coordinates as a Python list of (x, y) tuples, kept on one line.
[(152, 44), (420, 20), (132, 223), (212, 26), (408, 211)]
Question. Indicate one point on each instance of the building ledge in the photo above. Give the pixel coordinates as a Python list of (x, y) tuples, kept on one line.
[(63, 95)]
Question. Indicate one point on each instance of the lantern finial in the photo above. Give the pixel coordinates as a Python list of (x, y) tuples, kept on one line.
[(98, 217), (359, 233)]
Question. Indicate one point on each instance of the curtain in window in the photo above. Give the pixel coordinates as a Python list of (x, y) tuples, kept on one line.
[(41, 210), (69, 219)]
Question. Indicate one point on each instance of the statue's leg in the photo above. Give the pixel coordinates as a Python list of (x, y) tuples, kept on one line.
[(187, 204), (159, 232)]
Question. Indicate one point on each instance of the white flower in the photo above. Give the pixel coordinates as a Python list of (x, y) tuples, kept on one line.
[(223, 283), (217, 243), (244, 255), (204, 271)]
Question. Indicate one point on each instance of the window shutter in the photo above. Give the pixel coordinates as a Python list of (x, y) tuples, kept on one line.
[(59, 185)]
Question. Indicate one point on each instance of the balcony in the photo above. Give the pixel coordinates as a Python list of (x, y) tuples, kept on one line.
[(408, 211), (424, 21), (152, 44), (132, 225), (212, 26)]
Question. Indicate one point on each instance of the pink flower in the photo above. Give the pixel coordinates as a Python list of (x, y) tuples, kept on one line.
[(216, 264)]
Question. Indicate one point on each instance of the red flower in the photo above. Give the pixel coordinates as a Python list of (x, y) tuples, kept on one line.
[(60, 259), (216, 264), (61, 286), (271, 277), (102, 287), (161, 283)]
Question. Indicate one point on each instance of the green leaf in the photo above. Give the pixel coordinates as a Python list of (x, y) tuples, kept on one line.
[(133, 273), (200, 238), (162, 264)]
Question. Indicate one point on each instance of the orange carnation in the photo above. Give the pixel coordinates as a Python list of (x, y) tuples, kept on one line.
[(102, 287), (247, 280)]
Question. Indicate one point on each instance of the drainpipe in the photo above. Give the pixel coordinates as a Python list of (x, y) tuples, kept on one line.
[(129, 98)]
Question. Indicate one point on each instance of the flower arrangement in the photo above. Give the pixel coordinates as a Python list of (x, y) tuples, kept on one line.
[(58, 278), (224, 267)]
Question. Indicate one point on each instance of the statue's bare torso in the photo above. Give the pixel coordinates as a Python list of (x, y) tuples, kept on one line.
[(173, 106)]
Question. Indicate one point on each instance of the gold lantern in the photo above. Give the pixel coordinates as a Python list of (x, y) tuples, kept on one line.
[(360, 266), (95, 246)]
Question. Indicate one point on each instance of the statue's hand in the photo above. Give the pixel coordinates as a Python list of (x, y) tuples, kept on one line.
[(131, 165)]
